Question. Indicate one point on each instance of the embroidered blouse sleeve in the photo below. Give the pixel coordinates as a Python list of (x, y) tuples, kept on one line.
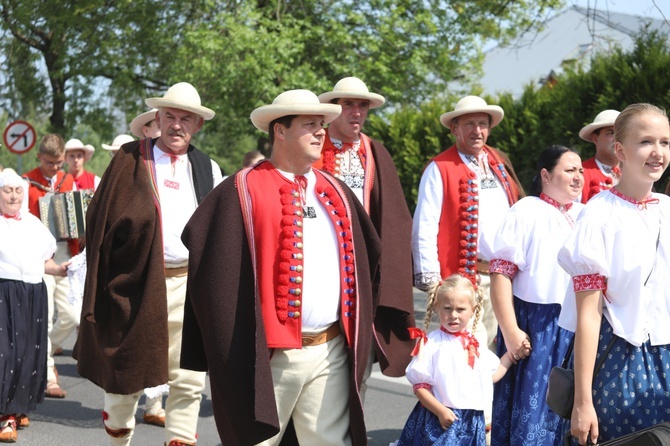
[(426, 226), (510, 245), (586, 255), (420, 371)]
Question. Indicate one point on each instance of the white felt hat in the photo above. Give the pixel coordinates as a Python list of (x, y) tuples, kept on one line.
[(473, 104), (605, 118), (353, 87), (183, 96), (293, 102)]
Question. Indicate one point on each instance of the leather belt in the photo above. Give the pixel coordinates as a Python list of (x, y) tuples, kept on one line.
[(176, 272), (482, 266), (320, 338)]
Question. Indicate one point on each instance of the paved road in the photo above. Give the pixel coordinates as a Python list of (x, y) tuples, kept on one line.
[(76, 420)]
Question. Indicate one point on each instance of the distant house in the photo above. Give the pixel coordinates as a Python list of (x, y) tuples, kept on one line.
[(571, 37)]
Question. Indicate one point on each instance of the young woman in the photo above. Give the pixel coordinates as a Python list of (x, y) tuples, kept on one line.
[(619, 260)]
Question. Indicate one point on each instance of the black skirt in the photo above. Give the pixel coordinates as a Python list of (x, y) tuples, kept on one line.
[(23, 345)]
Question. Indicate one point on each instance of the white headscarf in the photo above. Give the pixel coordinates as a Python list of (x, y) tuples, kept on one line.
[(9, 177)]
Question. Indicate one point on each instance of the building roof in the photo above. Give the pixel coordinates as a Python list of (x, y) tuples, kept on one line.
[(571, 37)]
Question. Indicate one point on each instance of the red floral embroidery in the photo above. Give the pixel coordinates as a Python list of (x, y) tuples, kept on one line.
[(418, 386), (589, 282), (503, 267), (641, 205), (329, 155)]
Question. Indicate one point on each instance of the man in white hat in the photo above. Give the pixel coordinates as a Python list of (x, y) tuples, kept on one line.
[(367, 168), (119, 140), (144, 125), (133, 306), (76, 155), (602, 171), (280, 294), (464, 193)]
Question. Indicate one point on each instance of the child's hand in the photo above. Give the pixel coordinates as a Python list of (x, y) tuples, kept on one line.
[(447, 418), (526, 346)]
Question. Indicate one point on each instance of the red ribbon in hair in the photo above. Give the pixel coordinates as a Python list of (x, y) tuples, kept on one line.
[(469, 343), (420, 335)]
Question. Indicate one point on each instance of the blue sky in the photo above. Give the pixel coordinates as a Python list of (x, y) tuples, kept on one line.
[(647, 8)]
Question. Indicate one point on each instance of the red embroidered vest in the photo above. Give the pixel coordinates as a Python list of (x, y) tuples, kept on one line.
[(458, 226), (595, 180), (272, 215)]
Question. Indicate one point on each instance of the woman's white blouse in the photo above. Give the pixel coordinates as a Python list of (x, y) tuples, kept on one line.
[(625, 251), (529, 237), (24, 247), (443, 364)]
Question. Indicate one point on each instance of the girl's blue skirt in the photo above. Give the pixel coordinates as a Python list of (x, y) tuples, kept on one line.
[(423, 428)]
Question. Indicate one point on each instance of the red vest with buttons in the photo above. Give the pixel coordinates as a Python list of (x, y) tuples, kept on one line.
[(273, 221), (458, 227), (595, 180)]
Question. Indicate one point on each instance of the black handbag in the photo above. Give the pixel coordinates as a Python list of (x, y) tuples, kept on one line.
[(656, 435), (561, 390)]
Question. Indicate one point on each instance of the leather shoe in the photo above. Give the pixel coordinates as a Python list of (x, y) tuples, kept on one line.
[(22, 421), (156, 420), (54, 390), (8, 432)]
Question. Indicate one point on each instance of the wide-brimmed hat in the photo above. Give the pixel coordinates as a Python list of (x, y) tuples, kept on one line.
[(293, 102), (140, 121), (183, 96), (118, 142), (473, 104), (353, 87), (605, 118), (75, 144)]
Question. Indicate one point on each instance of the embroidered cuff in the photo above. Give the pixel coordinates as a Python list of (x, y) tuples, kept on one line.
[(589, 282), (424, 281), (503, 267), (422, 386)]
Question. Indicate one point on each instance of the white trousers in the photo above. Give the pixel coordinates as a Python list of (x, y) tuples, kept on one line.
[(182, 406), (312, 386), (58, 289)]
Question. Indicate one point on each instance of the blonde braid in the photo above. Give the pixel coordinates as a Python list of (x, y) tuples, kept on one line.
[(431, 304), (479, 299)]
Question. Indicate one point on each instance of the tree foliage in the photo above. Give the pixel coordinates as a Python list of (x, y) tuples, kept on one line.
[(92, 62)]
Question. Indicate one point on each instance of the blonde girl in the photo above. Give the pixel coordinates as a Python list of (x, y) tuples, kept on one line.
[(452, 377)]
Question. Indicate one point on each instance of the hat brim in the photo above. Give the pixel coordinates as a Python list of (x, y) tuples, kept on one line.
[(108, 147), (376, 100), (497, 114), (264, 115), (88, 151), (205, 112), (587, 131), (140, 121)]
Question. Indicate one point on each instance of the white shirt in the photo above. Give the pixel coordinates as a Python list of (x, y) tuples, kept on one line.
[(530, 236), (443, 363), (177, 200), (24, 247), (615, 239), (493, 205), (321, 290)]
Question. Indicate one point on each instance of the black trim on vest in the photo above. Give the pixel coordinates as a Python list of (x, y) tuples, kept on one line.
[(203, 182)]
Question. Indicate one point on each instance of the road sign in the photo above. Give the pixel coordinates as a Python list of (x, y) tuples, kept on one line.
[(19, 137)]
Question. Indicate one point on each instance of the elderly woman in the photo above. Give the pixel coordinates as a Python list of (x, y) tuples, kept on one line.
[(26, 248), (527, 291)]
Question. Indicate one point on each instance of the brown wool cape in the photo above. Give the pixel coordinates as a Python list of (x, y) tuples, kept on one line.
[(223, 325), (123, 337), (395, 310)]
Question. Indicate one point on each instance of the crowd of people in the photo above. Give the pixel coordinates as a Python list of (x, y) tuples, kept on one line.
[(292, 276)]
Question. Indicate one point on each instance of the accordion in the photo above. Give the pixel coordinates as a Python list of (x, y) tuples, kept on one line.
[(64, 214)]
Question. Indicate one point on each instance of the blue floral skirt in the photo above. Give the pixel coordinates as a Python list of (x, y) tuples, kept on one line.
[(631, 391), (423, 428), (520, 413)]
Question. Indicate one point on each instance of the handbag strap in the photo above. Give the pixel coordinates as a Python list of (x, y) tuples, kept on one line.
[(601, 360)]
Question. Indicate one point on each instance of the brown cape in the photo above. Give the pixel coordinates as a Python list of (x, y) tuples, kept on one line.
[(223, 325), (393, 221), (123, 337)]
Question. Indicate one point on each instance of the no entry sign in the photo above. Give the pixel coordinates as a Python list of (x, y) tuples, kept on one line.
[(19, 137)]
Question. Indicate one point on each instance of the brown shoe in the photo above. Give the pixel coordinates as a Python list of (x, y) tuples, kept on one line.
[(57, 352), (178, 443), (8, 432), (54, 390), (156, 420), (22, 421)]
